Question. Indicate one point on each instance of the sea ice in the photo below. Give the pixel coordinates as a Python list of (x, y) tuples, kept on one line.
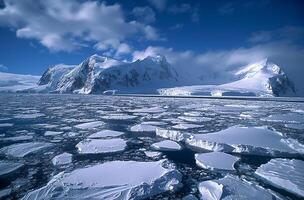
[(195, 119), (90, 125), (285, 174), (231, 187), (247, 140), (166, 145), (185, 126), (18, 138), (5, 125), (216, 160), (62, 159), (29, 116), (7, 167), (52, 133), (23, 149), (148, 110), (111, 180), (286, 118), (172, 134), (152, 154), (95, 146), (118, 116), (143, 128), (295, 126), (106, 133)]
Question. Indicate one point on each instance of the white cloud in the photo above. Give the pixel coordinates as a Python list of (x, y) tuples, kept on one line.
[(3, 67), (159, 4), (144, 14), (66, 25)]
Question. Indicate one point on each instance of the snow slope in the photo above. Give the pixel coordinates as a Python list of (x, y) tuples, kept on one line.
[(98, 74), (263, 78), (16, 82)]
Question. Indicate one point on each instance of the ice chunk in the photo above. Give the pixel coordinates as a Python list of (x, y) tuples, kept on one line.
[(106, 133), (166, 145), (18, 138), (148, 110), (172, 134), (7, 167), (111, 180), (216, 160), (62, 159), (23, 149), (52, 133), (29, 116), (143, 128), (93, 146), (285, 174), (195, 119), (246, 140), (90, 125), (154, 123), (118, 116), (5, 125), (231, 187), (153, 154), (185, 126), (286, 118)]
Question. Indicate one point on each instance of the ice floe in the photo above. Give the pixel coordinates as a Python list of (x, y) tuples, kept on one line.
[(7, 167), (143, 128), (18, 138), (231, 187), (195, 119), (90, 125), (216, 160), (153, 154), (24, 149), (295, 126), (166, 145), (111, 180), (247, 140), (185, 126), (118, 116), (285, 118), (5, 125), (29, 116), (148, 110), (172, 134), (95, 146), (52, 133), (62, 159), (105, 134), (285, 174)]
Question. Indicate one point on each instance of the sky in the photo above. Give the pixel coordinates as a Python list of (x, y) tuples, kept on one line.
[(207, 35)]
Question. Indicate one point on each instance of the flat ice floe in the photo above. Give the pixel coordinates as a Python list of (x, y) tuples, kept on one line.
[(148, 110), (143, 128), (7, 167), (5, 125), (185, 126), (166, 145), (95, 146), (52, 133), (216, 160), (295, 126), (29, 116), (231, 187), (18, 138), (24, 149), (105, 134), (118, 116), (62, 159), (285, 174), (195, 119), (172, 134), (286, 118), (111, 180), (90, 125), (247, 140), (153, 154)]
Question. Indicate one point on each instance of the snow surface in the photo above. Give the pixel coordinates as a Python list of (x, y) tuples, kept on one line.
[(105, 134), (285, 174), (62, 159), (111, 180), (95, 146), (231, 187), (216, 160), (24, 149), (246, 140), (166, 145)]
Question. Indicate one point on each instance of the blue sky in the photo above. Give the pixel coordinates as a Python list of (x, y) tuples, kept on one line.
[(36, 34)]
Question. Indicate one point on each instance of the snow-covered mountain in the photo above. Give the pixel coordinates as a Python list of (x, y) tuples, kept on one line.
[(263, 78), (98, 74), (16, 82)]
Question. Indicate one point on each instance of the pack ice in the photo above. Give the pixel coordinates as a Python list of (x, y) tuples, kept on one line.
[(23, 149), (285, 174), (247, 140), (94, 146), (111, 180), (231, 187)]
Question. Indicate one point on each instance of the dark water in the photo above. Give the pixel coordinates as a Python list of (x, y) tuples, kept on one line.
[(32, 115)]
